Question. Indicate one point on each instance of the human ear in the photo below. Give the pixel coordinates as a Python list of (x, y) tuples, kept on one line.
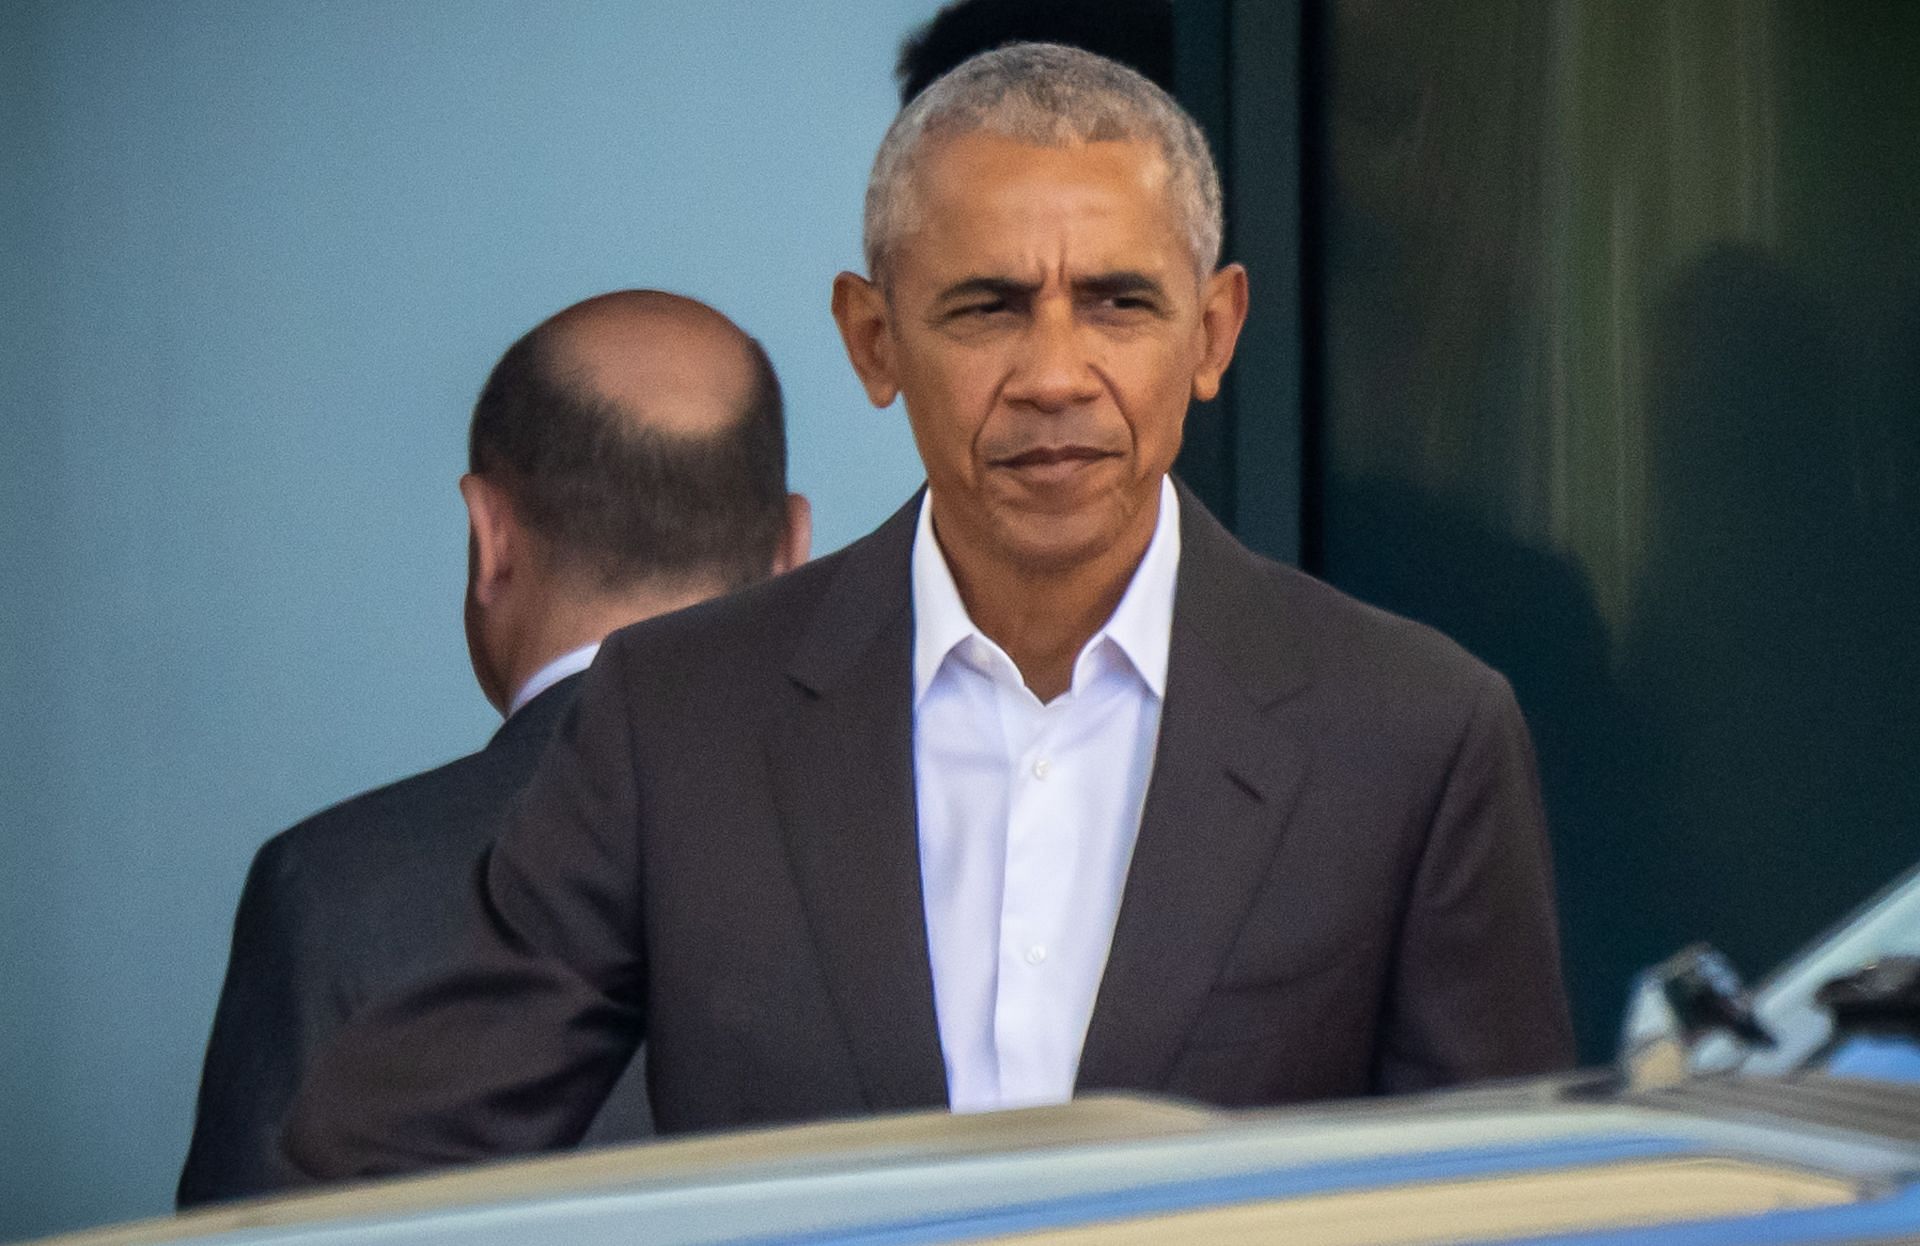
[(1223, 310), (860, 309), (495, 542), (797, 541)]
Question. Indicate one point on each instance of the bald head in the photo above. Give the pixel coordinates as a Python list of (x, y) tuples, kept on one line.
[(640, 436), (666, 362)]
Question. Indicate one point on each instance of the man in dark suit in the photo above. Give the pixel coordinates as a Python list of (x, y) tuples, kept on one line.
[(1047, 786), (628, 458)]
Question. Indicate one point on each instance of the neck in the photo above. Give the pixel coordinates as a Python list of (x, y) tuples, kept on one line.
[(1044, 617), (573, 620)]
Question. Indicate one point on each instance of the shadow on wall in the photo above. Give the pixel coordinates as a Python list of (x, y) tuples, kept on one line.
[(1554, 393), (1772, 658), (1745, 773)]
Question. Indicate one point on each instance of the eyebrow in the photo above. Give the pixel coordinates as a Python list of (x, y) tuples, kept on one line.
[(1117, 285), (991, 287)]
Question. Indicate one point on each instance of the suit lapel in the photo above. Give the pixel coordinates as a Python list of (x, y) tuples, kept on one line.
[(842, 771), (1225, 776)]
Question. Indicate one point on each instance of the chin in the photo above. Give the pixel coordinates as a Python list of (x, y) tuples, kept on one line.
[(1056, 547)]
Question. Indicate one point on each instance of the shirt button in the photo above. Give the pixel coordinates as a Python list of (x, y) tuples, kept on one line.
[(1041, 768), (1036, 954)]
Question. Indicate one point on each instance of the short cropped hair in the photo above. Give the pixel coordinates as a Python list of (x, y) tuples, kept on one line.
[(1048, 95), (622, 501)]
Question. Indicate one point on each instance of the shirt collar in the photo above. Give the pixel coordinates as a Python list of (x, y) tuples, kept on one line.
[(1141, 626), (552, 673)]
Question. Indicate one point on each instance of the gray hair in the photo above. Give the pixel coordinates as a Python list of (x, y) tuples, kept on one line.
[(1048, 95)]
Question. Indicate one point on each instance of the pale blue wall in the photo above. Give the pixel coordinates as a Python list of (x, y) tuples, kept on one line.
[(255, 259)]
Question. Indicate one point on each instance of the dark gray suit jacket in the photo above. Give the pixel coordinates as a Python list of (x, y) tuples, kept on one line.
[(353, 902), (1341, 883)]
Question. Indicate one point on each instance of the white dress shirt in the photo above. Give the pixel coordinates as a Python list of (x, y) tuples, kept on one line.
[(552, 673), (1028, 815)]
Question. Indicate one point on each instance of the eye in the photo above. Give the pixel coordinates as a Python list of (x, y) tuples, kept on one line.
[(984, 307), (1125, 306)]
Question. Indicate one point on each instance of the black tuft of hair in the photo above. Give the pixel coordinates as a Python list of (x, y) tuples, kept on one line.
[(1137, 33)]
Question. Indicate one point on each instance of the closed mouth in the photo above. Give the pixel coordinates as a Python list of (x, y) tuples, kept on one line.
[(1050, 456)]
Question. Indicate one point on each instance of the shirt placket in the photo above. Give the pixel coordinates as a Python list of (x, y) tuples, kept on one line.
[(1040, 863)]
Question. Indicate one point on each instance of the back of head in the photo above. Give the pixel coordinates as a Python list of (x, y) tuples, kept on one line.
[(1045, 95), (641, 438), (1137, 33)]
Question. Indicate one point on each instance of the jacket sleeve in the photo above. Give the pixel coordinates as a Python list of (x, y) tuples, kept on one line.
[(1476, 988), (512, 1046), (276, 1005)]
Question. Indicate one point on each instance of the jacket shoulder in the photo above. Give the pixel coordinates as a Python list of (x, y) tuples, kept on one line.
[(735, 652), (1367, 660), (763, 617), (396, 828), (1352, 637)]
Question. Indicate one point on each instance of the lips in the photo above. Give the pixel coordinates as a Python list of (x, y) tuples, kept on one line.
[(1052, 469), (1051, 456)]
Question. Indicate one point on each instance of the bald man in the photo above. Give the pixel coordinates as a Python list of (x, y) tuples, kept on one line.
[(628, 458)]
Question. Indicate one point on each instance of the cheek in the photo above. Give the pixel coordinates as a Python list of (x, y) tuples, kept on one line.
[(1157, 391), (947, 408)]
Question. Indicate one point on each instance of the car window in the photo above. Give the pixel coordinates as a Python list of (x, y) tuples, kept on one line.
[(1887, 925)]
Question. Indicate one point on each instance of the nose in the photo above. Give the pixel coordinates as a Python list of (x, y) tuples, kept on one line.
[(1054, 371)]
